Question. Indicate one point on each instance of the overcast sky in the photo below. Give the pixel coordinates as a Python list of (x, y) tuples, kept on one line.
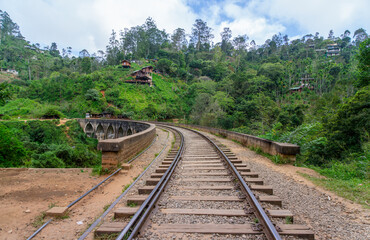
[(87, 24)]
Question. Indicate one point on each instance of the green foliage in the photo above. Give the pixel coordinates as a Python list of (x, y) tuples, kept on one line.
[(224, 86), (364, 63), (291, 116), (46, 145), (12, 151), (23, 107), (47, 160), (4, 93), (348, 128), (51, 112), (354, 189), (92, 94)]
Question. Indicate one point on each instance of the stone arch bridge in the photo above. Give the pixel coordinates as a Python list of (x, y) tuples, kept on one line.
[(119, 140), (110, 128)]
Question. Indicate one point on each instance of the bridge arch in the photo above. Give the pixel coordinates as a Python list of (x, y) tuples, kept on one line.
[(110, 132), (100, 132), (120, 132), (129, 132), (89, 130), (111, 128)]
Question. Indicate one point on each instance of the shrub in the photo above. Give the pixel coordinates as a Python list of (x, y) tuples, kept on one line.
[(92, 94), (12, 151), (52, 113), (47, 160), (6, 117)]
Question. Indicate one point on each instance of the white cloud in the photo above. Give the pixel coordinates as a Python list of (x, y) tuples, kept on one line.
[(88, 24), (260, 19), (241, 20), (319, 15)]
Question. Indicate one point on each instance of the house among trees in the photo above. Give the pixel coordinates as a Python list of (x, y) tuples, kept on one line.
[(306, 82), (11, 71), (126, 64), (295, 89), (333, 50), (142, 76)]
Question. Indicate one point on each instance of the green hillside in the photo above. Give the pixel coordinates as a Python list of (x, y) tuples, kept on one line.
[(312, 91)]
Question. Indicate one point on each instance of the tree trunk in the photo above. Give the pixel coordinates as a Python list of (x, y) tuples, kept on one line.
[(29, 70)]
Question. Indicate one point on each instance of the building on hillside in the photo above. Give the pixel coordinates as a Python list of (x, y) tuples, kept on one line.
[(142, 76), (126, 64), (295, 89), (11, 71), (305, 82), (333, 50)]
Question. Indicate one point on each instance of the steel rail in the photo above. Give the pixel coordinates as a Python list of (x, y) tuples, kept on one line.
[(93, 188), (74, 202), (268, 227), (89, 191), (140, 216), (99, 219), (39, 230)]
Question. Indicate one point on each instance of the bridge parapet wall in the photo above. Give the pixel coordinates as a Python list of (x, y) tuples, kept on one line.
[(120, 149), (285, 150)]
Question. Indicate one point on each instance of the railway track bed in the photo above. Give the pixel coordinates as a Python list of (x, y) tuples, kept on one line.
[(203, 197)]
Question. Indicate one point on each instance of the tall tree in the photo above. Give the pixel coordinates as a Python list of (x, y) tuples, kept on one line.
[(178, 39), (113, 49), (54, 50), (226, 45), (84, 53), (360, 35), (152, 38), (278, 39), (364, 63), (331, 35), (240, 43), (201, 35), (8, 27)]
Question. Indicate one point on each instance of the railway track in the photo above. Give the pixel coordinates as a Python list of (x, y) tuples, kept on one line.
[(201, 190), (105, 181)]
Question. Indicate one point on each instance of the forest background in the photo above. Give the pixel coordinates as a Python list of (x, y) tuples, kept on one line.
[(233, 84)]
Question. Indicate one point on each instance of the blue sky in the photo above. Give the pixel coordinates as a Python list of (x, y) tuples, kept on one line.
[(88, 23)]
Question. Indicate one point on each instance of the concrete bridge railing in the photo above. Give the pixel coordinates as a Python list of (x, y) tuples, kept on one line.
[(119, 140), (285, 150)]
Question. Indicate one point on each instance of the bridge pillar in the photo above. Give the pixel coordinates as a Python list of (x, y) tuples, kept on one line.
[(119, 140)]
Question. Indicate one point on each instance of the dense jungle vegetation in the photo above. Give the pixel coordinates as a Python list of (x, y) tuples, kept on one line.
[(233, 84)]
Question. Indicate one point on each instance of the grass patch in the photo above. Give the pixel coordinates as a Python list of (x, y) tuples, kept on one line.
[(126, 186), (219, 135), (106, 207), (98, 171), (277, 159), (51, 205), (288, 220), (65, 216), (355, 189), (236, 141), (131, 204), (39, 220), (107, 236)]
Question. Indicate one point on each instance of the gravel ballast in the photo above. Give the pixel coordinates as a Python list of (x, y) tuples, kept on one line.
[(329, 219)]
